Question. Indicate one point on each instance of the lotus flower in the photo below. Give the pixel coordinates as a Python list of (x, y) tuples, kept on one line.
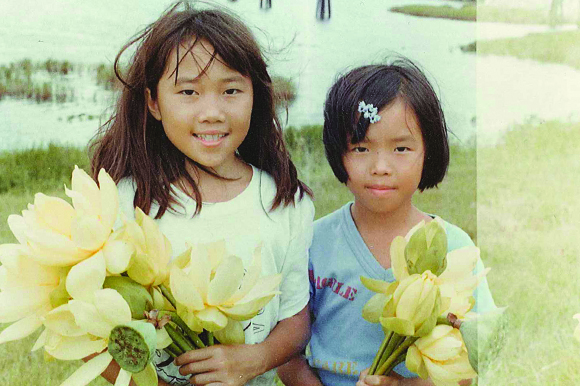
[(213, 293), (440, 356), (80, 328), (149, 264)]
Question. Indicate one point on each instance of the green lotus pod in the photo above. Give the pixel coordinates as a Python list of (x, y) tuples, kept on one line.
[(137, 296), (479, 333), (132, 345)]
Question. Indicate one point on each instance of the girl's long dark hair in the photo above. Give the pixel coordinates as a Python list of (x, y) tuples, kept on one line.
[(133, 144)]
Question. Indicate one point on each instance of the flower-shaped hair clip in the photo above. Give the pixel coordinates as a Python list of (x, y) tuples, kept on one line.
[(369, 111)]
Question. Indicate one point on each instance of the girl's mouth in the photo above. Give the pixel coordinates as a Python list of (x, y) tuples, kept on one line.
[(210, 139)]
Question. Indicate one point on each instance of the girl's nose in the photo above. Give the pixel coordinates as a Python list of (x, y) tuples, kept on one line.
[(381, 164), (210, 110)]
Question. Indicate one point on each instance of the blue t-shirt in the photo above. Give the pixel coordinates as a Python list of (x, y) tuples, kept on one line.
[(343, 343)]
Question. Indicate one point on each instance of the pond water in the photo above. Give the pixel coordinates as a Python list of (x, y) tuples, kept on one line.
[(359, 32)]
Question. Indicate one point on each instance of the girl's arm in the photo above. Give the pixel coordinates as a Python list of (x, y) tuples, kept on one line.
[(237, 364), (297, 372), (111, 372)]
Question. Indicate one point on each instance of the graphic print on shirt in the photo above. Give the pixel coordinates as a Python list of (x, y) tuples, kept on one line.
[(332, 284), (348, 368)]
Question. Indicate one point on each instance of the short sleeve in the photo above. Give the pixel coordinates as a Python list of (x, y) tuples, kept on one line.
[(295, 284)]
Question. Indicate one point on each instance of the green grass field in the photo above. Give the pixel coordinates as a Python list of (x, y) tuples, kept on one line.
[(519, 199)]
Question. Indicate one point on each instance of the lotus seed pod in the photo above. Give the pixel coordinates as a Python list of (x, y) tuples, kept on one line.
[(137, 296), (132, 345)]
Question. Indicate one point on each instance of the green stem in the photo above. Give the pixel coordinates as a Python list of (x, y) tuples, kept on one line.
[(400, 358), (178, 338), (173, 350), (210, 339), (168, 295), (443, 320), (395, 355), (395, 342), (379, 355), (188, 331)]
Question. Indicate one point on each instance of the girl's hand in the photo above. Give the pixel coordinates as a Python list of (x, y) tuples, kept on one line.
[(376, 380), (221, 364)]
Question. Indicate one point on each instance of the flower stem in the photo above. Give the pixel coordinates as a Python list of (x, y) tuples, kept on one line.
[(210, 339), (409, 340), (380, 352), (400, 358), (395, 342), (168, 295), (188, 331), (178, 338), (173, 350)]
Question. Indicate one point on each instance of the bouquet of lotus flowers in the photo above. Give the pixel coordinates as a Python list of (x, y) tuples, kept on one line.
[(432, 292), (114, 293)]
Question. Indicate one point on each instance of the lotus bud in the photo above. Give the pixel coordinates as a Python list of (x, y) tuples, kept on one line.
[(414, 307), (479, 333), (135, 295), (427, 249), (132, 345)]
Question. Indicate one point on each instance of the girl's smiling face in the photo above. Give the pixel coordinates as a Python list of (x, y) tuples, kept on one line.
[(384, 169), (205, 114)]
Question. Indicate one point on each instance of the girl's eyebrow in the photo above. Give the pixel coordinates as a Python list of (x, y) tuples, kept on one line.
[(227, 79)]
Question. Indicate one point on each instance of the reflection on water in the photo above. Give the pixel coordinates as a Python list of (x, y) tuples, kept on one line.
[(360, 32)]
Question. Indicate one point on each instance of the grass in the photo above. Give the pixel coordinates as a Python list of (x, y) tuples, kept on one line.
[(526, 223), (553, 47)]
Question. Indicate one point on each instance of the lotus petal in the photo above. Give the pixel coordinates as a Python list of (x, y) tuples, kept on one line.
[(414, 362), (109, 199), (117, 255), (18, 227), (251, 277), (21, 329), (112, 307), (200, 271), (54, 213), (460, 262), (123, 378), (154, 239), (163, 339), (184, 291), (379, 286), (245, 311), (445, 349), (212, 319), (147, 377), (226, 281), (398, 261), (233, 333), (41, 341), (142, 269), (87, 188), (86, 277), (89, 319), (53, 249), (70, 348), (373, 309), (398, 325), (17, 304), (89, 233), (89, 371), (266, 286), (62, 321)]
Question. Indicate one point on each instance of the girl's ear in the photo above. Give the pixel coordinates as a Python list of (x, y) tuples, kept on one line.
[(152, 105)]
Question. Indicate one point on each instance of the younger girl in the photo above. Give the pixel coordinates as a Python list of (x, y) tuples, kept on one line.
[(195, 142), (385, 138)]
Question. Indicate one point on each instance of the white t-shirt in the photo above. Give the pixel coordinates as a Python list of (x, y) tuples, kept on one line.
[(244, 222)]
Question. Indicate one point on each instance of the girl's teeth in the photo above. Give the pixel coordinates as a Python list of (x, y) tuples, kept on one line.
[(212, 138)]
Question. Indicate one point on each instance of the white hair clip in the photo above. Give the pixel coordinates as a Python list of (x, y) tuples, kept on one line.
[(369, 111)]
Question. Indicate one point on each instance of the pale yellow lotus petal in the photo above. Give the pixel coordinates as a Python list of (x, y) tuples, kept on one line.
[(233, 333), (437, 333), (54, 213), (154, 240), (17, 304), (23, 271), (62, 321), (409, 300), (53, 249), (160, 302), (163, 339), (86, 277), (123, 378), (188, 316), (379, 286), (439, 374), (109, 199), (21, 329), (227, 280), (373, 309), (444, 349), (414, 362), (18, 227), (118, 255), (89, 371), (41, 341), (88, 318), (147, 377), (215, 251), (112, 307), (265, 286), (70, 348), (398, 261), (460, 263), (142, 269), (184, 291), (398, 325), (414, 229), (89, 233), (247, 310), (83, 184), (250, 278), (134, 234), (460, 366), (212, 319), (200, 271)]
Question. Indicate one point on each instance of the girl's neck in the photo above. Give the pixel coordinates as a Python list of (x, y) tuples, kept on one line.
[(389, 224), (213, 189)]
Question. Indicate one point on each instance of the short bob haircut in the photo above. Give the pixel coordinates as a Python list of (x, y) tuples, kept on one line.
[(380, 85)]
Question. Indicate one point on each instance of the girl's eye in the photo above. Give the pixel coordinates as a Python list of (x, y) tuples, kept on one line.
[(188, 92), (401, 149), (232, 91), (359, 149)]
